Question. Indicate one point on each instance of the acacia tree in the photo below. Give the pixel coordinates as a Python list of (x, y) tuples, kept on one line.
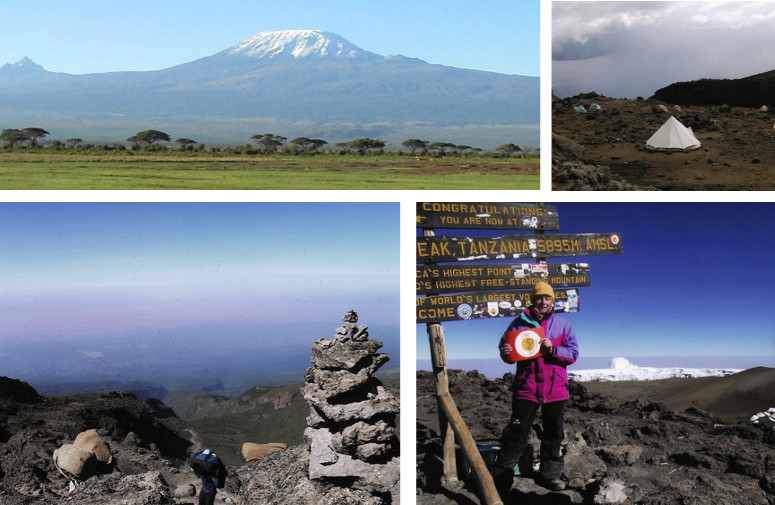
[(185, 144), (33, 134), (508, 149), (304, 145), (268, 142), (362, 145), (12, 136), (415, 145), (442, 147), (149, 137)]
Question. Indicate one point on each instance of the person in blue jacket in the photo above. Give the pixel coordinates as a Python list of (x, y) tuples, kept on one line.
[(211, 470), (538, 382)]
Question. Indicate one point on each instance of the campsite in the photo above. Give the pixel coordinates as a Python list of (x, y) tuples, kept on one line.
[(736, 151)]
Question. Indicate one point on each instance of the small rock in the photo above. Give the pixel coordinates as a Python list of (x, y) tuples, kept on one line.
[(185, 490)]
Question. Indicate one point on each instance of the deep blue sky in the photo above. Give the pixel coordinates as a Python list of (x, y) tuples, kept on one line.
[(695, 279), (90, 269), (85, 36)]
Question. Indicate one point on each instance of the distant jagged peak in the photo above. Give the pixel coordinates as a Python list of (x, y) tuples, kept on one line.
[(299, 44), (24, 64)]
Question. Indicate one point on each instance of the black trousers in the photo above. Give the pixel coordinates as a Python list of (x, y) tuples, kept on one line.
[(206, 498), (516, 433)]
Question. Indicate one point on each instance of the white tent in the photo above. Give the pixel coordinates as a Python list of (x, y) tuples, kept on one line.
[(673, 136)]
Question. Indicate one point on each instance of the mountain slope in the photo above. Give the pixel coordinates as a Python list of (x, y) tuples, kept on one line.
[(731, 398), (752, 91), (299, 75)]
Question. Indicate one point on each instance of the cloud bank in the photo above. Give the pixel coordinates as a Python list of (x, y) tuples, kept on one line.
[(629, 49)]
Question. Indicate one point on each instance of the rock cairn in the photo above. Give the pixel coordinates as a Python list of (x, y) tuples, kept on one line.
[(351, 429)]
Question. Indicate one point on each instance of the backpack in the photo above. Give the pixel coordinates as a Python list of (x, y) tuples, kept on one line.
[(208, 466)]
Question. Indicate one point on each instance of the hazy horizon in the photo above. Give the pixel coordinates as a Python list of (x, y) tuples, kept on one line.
[(122, 291), (495, 368)]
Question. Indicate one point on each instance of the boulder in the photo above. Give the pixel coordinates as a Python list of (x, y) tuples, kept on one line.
[(76, 461), (185, 490), (252, 451), (92, 441)]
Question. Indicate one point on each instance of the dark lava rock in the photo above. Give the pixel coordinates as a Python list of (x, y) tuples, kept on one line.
[(19, 391), (636, 452)]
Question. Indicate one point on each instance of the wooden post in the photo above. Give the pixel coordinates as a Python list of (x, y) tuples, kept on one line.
[(451, 422), (471, 451), (439, 363)]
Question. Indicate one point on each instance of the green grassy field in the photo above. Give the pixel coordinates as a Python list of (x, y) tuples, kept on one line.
[(76, 171)]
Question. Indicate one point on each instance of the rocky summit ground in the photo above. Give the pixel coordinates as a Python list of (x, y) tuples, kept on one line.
[(633, 452), (737, 153), (149, 458)]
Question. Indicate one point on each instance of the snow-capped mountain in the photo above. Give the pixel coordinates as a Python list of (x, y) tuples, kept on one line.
[(299, 44), (622, 370), (288, 78)]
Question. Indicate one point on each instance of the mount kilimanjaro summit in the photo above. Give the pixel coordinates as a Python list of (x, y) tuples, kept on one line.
[(313, 81)]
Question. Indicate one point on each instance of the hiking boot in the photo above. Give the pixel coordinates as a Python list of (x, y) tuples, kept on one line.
[(552, 484)]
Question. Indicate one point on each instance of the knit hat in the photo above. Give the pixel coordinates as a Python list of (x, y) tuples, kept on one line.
[(542, 288)]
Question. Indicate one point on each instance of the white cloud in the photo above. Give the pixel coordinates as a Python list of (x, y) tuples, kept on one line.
[(634, 48), (91, 354)]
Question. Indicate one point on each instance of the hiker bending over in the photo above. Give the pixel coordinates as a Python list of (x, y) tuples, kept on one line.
[(539, 382), (208, 467)]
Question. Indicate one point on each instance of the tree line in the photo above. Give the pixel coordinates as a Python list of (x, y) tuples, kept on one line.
[(266, 143)]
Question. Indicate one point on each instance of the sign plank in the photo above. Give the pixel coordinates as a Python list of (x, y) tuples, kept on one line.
[(446, 248), (489, 215), (498, 276), (485, 305)]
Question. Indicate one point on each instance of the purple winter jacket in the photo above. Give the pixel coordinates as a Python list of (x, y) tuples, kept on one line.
[(545, 379)]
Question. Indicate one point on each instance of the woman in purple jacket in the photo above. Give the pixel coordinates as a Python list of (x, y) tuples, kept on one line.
[(539, 382)]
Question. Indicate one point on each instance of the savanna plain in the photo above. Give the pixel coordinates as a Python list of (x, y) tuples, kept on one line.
[(42, 170)]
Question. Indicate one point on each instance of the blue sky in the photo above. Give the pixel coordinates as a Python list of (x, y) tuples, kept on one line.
[(89, 269), (695, 279), (84, 36)]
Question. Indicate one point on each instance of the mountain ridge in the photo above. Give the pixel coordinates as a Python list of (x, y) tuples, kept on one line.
[(275, 79), (752, 91)]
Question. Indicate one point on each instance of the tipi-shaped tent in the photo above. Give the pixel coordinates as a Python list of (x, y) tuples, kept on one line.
[(673, 136)]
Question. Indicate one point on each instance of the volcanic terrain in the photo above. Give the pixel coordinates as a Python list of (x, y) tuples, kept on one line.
[(737, 152), (616, 451)]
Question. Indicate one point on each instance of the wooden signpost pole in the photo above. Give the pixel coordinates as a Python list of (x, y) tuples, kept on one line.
[(441, 381), (451, 422)]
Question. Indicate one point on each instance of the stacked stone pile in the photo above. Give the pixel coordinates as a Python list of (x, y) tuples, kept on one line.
[(351, 429)]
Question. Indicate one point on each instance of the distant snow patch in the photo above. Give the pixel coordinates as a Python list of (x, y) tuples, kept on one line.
[(621, 369)]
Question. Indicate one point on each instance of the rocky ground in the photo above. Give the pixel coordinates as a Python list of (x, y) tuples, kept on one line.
[(616, 452), (351, 423), (150, 459), (737, 153)]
